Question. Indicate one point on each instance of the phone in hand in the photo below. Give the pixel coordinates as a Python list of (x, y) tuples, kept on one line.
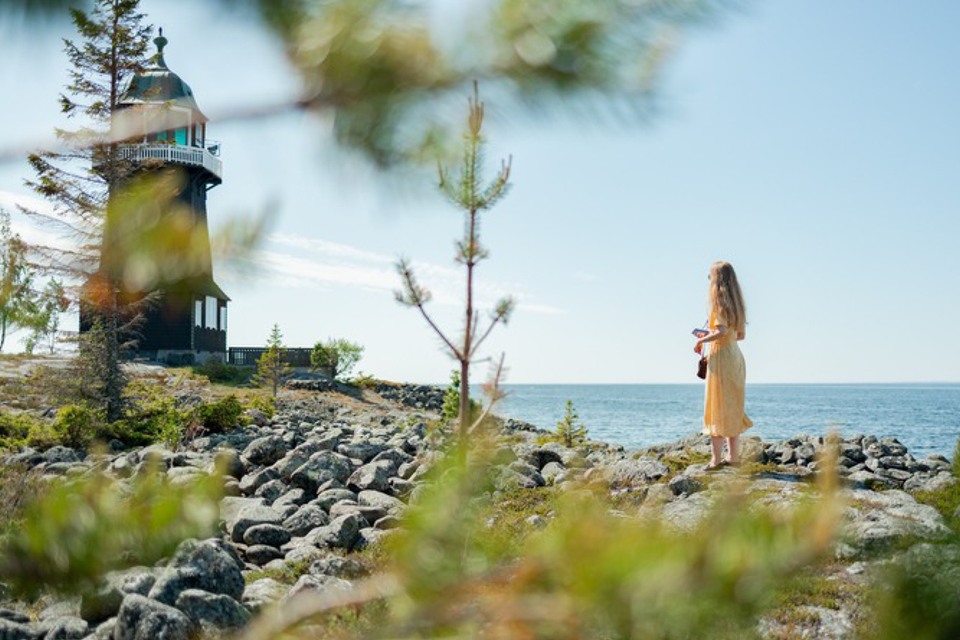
[(698, 332)]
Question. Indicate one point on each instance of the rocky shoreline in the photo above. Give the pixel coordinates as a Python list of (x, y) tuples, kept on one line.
[(324, 478)]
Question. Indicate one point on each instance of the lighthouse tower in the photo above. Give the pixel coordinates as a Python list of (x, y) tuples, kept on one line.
[(189, 322)]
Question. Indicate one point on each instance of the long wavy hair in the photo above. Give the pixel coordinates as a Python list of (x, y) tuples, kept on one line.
[(725, 299)]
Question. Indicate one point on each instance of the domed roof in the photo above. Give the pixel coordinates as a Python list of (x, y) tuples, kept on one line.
[(156, 84)]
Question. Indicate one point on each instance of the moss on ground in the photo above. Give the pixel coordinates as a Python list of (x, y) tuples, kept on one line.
[(827, 586), (946, 501)]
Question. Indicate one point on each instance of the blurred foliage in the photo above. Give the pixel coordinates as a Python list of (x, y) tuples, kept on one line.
[(266, 404), (451, 401), (83, 528)]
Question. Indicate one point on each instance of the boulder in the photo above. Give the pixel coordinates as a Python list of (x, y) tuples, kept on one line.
[(626, 473), (64, 628), (261, 554), (141, 618), (340, 533), (269, 534), (395, 455), (684, 485), (251, 516), (104, 601), (60, 454), (271, 490), (378, 499), (318, 584), (330, 497), (207, 565), (879, 521), (265, 451), (228, 460), (363, 450), (214, 615), (321, 467), (375, 476), (926, 482), (306, 519), (10, 630), (553, 472), (338, 566), (263, 592), (253, 481), (295, 497)]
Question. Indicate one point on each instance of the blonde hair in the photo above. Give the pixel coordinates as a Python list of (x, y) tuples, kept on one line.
[(725, 299)]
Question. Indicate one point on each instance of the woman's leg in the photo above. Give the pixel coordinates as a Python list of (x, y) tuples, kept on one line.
[(716, 450), (733, 449)]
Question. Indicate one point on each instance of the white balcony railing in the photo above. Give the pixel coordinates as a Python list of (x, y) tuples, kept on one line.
[(180, 154)]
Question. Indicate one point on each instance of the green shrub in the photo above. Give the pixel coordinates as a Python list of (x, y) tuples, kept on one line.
[(365, 381), (230, 374), (129, 431), (75, 425), (15, 428), (267, 404), (220, 416), (570, 432), (956, 459), (451, 401), (337, 356), (152, 417)]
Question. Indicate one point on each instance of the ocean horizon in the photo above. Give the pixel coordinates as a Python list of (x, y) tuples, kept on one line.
[(925, 416)]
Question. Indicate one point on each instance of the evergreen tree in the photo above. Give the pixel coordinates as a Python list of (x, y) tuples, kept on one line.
[(570, 431), (272, 371), (466, 192), (83, 185), (17, 298), (52, 303)]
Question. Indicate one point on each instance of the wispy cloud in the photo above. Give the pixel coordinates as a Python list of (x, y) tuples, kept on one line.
[(28, 229), (313, 263)]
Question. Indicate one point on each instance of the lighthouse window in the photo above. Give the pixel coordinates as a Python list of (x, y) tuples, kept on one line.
[(223, 318), (198, 313), (197, 135), (180, 135), (211, 319)]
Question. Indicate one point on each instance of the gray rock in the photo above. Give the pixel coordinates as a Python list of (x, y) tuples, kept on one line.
[(265, 451), (361, 450), (105, 630), (271, 490), (317, 584), (295, 497), (893, 462), (59, 454), (387, 522), (626, 473), (301, 552), (253, 481), (340, 533), (10, 630), (206, 565), (64, 628), (263, 592), (658, 494), (552, 472), (374, 475), (338, 566), (228, 460), (251, 516), (141, 618), (879, 521), (897, 475), (378, 499), (852, 452), (400, 487), (321, 467), (306, 519), (296, 458), (925, 482), (269, 534), (14, 616), (60, 608), (395, 455), (330, 497), (261, 554), (689, 513), (213, 614), (684, 485)]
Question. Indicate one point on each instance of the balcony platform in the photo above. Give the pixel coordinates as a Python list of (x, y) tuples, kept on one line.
[(175, 154)]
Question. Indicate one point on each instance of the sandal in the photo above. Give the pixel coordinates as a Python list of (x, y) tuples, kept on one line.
[(728, 463), (713, 467)]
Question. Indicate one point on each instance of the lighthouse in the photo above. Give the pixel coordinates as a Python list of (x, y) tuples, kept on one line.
[(164, 130)]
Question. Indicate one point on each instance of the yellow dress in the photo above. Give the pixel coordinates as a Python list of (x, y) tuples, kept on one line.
[(723, 413)]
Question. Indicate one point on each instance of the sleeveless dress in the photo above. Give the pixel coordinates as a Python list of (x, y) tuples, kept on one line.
[(723, 414)]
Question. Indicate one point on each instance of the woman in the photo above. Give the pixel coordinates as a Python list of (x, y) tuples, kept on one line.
[(723, 415)]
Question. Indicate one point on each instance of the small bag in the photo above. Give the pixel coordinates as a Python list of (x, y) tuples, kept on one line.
[(702, 365), (702, 368)]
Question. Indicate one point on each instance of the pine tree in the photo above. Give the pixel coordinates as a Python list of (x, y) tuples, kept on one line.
[(570, 431), (466, 192), (83, 185), (272, 371)]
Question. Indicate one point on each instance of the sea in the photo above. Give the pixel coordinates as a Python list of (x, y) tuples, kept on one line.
[(924, 417)]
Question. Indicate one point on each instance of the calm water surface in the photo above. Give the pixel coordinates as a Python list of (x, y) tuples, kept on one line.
[(925, 417)]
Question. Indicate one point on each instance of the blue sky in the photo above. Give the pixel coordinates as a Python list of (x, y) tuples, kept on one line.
[(815, 145)]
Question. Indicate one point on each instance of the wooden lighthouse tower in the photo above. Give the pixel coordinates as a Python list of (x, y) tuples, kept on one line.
[(188, 321)]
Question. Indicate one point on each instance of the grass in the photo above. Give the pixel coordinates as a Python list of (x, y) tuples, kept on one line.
[(946, 501), (508, 516), (826, 586)]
